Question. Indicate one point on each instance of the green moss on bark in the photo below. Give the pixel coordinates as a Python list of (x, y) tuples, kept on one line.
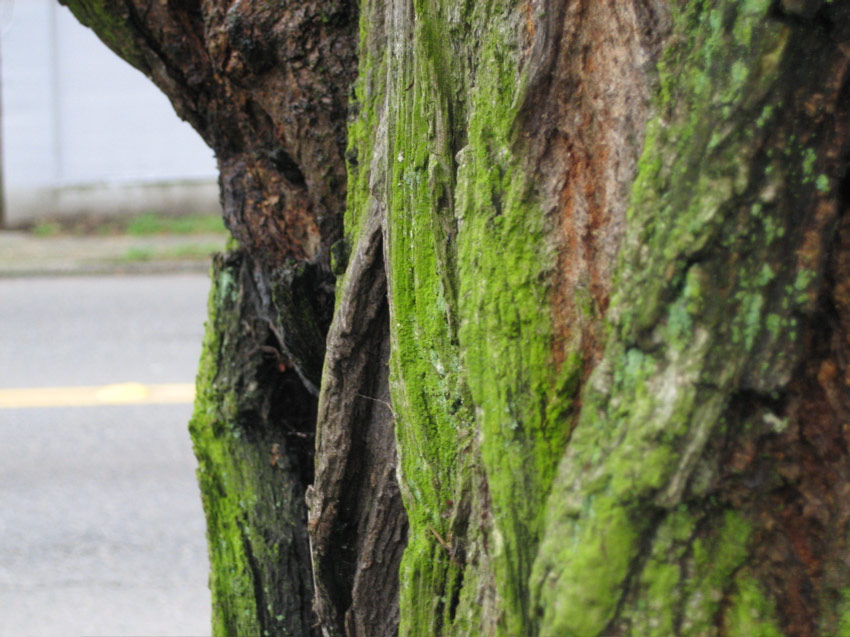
[(250, 485), (688, 577), (475, 387), (705, 304), (751, 612), (231, 578)]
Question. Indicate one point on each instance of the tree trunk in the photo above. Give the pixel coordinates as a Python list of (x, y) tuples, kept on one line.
[(584, 366)]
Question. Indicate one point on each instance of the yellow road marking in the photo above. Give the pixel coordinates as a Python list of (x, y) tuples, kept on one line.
[(119, 394)]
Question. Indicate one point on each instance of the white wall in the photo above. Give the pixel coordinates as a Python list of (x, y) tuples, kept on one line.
[(82, 131)]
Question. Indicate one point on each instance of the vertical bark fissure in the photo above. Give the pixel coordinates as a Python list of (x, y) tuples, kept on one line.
[(635, 568), (262, 605)]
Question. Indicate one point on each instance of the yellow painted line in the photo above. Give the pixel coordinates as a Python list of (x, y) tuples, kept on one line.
[(118, 394)]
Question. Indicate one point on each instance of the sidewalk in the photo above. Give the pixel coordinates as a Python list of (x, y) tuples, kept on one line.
[(23, 254)]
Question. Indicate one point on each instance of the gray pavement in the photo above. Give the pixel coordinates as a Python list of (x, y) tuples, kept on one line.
[(101, 527), (101, 524), (92, 330)]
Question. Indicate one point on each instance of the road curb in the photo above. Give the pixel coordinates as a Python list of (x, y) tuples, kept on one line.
[(23, 255)]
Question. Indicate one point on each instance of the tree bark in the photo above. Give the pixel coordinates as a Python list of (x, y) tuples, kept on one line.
[(539, 322)]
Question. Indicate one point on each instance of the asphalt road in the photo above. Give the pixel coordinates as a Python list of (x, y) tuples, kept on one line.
[(101, 528)]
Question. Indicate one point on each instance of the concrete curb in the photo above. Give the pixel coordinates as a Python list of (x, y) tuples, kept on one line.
[(24, 255)]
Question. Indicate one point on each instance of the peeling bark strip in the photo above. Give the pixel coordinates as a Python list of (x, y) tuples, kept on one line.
[(357, 523)]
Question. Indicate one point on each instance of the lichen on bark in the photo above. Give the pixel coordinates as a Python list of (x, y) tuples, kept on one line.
[(707, 308)]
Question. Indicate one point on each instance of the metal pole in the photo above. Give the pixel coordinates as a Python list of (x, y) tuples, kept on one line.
[(2, 191), (55, 95), (5, 25)]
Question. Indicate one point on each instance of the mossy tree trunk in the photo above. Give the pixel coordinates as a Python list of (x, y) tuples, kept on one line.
[(539, 319)]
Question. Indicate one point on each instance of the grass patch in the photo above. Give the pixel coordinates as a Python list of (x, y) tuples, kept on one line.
[(46, 229), (195, 251), (151, 223), (144, 225), (182, 252), (136, 255)]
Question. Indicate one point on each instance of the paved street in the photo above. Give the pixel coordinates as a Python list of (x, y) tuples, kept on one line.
[(101, 529)]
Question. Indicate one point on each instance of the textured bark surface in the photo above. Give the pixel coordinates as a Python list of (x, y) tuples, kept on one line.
[(687, 423), (582, 118), (666, 178), (587, 372), (266, 85)]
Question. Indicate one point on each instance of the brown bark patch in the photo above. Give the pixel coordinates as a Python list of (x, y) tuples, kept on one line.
[(265, 211), (804, 520), (586, 111), (809, 517)]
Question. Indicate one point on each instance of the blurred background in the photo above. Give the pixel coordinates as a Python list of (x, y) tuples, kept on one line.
[(83, 132), (108, 215)]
